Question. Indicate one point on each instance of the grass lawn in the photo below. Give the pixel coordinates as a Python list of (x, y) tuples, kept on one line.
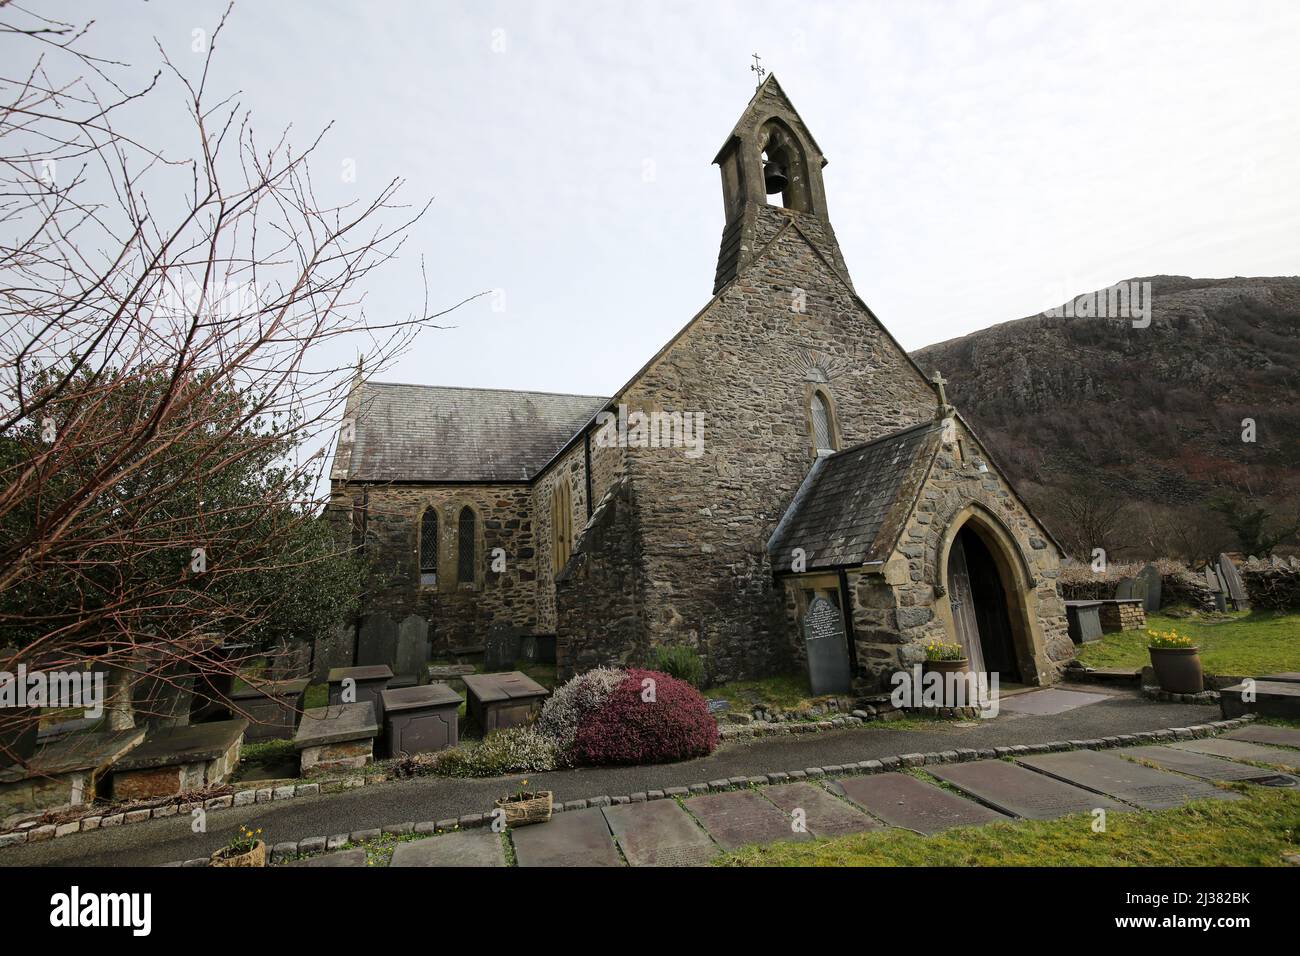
[(788, 691), (1245, 643), (1255, 831)]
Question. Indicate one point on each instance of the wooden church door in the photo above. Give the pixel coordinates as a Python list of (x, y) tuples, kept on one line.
[(962, 601)]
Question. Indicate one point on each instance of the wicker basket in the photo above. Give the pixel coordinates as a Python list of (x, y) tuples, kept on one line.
[(526, 808), (254, 857)]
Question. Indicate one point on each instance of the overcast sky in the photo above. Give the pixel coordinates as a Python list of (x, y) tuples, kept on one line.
[(986, 159)]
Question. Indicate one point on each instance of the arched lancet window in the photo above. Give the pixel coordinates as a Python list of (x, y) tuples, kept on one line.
[(466, 565), (429, 547), (561, 526), (823, 428)]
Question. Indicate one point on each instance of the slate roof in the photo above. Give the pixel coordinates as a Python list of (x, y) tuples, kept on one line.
[(851, 507), (436, 433)]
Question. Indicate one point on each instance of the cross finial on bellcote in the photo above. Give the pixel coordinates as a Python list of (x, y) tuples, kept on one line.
[(757, 68), (939, 382)]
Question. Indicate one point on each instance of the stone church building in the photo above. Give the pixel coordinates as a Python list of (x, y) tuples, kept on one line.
[(794, 452)]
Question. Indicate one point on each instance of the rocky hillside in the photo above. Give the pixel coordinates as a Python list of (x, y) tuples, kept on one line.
[(1150, 416)]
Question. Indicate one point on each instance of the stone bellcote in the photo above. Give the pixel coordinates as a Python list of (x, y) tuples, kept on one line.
[(770, 148)]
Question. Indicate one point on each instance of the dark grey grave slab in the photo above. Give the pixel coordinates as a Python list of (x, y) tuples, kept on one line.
[(479, 847), (659, 833), (1285, 677), (502, 648), (1153, 582), (825, 815), (176, 745), (1242, 750), (336, 648), (377, 640), (1196, 764), (412, 654), (1047, 702), (827, 650), (1124, 589), (1083, 618), (1232, 583), (1020, 792), (421, 719), (740, 817), (1124, 780), (355, 857), (1267, 734), (272, 708), (337, 723), (1273, 698), (901, 800), (370, 682), (572, 838)]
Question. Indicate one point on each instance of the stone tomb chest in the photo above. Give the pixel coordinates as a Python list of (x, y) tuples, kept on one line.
[(370, 682), (337, 737), (421, 719), (502, 700), (175, 759), (64, 771), (272, 708), (1084, 620)]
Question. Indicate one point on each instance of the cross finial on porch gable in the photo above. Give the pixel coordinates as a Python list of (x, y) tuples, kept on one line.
[(939, 382)]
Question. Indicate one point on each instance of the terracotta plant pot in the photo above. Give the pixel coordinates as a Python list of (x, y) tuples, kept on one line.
[(1178, 669), (944, 668), (254, 857)]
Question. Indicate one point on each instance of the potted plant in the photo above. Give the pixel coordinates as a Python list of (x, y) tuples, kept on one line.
[(524, 807), (245, 849), (945, 658), (1176, 662)]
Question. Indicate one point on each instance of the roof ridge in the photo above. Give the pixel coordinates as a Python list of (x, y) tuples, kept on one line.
[(883, 438), (475, 388)]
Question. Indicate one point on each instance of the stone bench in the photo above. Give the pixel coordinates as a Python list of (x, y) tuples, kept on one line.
[(272, 708), (337, 737), (421, 719), (173, 760), (496, 701)]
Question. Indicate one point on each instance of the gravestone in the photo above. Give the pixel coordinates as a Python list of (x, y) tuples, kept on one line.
[(1212, 580), (904, 801), (1124, 780), (1242, 750), (502, 649), (412, 645), (1083, 620), (1196, 764), (377, 641), (1232, 583), (290, 660), (528, 648), (828, 654), (480, 847), (1267, 734), (335, 648), (659, 833), (1020, 792), (1150, 575), (823, 814), (572, 838), (1124, 590), (739, 817)]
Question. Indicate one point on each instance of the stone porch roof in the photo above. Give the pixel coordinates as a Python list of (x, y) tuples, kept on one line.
[(853, 504), (439, 433)]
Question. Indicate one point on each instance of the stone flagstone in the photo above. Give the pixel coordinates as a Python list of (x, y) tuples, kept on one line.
[(1020, 792), (1196, 764), (480, 847), (1265, 734), (1047, 702), (1124, 780), (902, 800), (825, 815), (355, 857), (740, 817), (1241, 750), (573, 838), (659, 833)]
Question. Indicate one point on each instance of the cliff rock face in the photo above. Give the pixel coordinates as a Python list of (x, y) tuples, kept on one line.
[(1153, 415)]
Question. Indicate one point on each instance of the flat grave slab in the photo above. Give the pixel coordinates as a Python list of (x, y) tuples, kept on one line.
[(1242, 750), (572, 838), (740, 817), (1196, 764), (659, 833), (1047, 702), (1273, 698), (172, 760), (64, 771), (825, 815), (1285, 677), (1014, 790), (353, 857), (271, 707), (340, 736), (1265, 734), (481, 847), (1124, 780), (901, 800), (495, 701)]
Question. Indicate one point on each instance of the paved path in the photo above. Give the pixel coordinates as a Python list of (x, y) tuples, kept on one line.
[(694, 830), (435, 798)]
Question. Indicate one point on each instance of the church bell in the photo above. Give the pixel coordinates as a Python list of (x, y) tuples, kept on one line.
[(774, 179)]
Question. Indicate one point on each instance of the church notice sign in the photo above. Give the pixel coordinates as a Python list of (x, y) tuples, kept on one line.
[(828, 653)]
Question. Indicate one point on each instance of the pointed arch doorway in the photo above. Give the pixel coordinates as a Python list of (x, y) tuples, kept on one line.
[(977, 596)]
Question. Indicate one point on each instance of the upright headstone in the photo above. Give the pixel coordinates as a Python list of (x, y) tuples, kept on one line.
[(377, 640), (502, 648), (828, 653), (335, 648), (1124, 590), (290, 660), (1212, 580), (412, 645), (1232, 583), (1150, 575)]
